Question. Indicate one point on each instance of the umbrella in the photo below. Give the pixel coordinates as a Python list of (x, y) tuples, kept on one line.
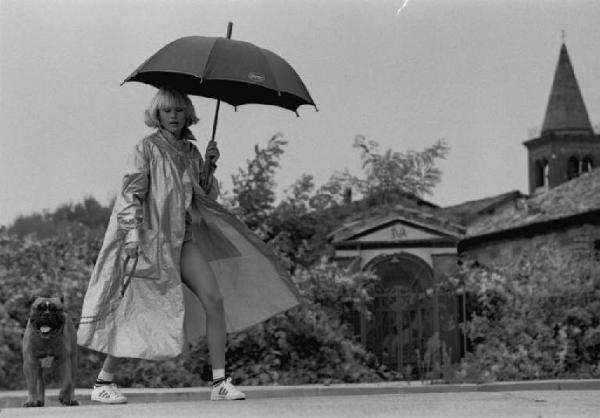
[(233, 71)]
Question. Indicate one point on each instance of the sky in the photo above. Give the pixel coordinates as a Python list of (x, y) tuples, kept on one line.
[(474, 72)]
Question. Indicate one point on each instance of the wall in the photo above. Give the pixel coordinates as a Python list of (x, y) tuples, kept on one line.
[(578, 240)]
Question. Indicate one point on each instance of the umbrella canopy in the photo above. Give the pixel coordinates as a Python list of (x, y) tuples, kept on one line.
[(233, 71)]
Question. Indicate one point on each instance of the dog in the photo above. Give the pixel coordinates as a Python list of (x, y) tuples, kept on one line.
[(49, 341)]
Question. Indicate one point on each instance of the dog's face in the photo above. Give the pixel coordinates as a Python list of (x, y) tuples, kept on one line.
[(47, 315)]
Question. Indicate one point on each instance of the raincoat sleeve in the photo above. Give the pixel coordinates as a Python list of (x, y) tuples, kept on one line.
[(130, 214)]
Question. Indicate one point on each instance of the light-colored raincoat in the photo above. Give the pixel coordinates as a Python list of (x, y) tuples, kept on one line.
[(158, 313)]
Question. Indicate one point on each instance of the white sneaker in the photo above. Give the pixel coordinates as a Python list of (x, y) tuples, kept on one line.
[(108, 394), (225, 391)]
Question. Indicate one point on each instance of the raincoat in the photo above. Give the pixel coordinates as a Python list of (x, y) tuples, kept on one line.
[(158, 313)]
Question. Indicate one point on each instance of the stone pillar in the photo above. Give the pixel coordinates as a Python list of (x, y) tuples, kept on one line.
[(445, 305)]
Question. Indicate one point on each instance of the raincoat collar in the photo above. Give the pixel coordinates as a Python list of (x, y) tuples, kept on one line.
[(180, 145)]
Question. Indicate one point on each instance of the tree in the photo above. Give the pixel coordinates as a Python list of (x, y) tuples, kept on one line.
[(391, 174), (89, 213), (253, 187), (68, 217)]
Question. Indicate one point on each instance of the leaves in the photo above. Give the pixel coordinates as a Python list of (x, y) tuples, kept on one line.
[(536, 317), (392, 173), (253, 187)]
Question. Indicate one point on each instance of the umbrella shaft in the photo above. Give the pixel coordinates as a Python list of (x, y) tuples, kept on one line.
[(215, 120), (229, 30)]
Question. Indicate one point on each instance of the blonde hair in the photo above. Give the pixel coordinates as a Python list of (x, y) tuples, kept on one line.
[(169, 97)]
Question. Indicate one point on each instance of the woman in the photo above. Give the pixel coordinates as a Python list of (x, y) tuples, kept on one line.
[(200, 271)]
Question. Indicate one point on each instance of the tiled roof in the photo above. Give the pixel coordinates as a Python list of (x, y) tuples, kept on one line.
[(470, 211), (574, 197)]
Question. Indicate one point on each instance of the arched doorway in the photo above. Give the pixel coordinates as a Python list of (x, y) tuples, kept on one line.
[(402, 320)]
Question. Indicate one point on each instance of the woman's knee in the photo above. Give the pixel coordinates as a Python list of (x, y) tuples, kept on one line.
[(213, 301), (199, 277)]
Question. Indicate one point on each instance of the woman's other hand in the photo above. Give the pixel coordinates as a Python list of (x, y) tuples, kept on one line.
[(132, 249), (212, 152)]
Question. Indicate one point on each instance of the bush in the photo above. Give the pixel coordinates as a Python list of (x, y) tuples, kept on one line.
[(309, 344), (30, 267), (312, 343), (537, 318)]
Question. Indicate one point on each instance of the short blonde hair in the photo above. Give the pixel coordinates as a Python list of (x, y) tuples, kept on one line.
[(169, 97)]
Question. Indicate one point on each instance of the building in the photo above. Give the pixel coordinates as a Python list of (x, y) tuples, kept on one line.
[(568, 214), (414, 244), (564, 202), (410, 247)]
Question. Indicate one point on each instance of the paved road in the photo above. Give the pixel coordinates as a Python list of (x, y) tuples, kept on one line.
[(530, 404)]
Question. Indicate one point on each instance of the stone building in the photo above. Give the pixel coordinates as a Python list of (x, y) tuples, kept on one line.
[(568, 214), (564, 202), (410, 247), (414, 244)]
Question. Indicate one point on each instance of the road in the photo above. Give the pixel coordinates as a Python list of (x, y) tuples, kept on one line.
[(530, 404)]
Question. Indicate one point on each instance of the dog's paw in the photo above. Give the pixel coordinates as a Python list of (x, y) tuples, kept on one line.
[(30, 404), (68, 402)]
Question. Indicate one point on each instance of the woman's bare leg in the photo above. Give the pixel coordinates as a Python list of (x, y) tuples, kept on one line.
[(110, 364), (199, 277), (104, 390)]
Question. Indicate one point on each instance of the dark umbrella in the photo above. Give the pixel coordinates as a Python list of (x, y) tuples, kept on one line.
[(233, 71)]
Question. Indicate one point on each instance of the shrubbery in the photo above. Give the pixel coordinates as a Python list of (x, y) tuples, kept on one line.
[(308, 344), (536, 318), (30, 266)]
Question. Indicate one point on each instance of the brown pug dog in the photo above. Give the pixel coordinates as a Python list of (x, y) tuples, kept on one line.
[(50, 340)]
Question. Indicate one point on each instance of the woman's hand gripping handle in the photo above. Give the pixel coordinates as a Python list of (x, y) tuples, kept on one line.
[(212, 153)]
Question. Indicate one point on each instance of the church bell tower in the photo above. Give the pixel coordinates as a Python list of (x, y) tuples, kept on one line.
[(567, 146)]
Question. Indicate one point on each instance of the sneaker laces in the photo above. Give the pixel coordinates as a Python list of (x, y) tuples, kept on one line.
[(112, 390), (228, 386)]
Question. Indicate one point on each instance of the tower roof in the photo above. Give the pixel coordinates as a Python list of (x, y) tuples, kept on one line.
[(566, 111)]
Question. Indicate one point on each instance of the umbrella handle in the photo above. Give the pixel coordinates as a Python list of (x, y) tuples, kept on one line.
[(229, 30)]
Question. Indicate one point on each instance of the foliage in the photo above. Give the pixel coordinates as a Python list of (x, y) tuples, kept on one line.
[(435, 363), (392, 173), (308, 344), (537, 317), (312, 343), (253, 187), (30, 267), (74, 218), (298, 226)]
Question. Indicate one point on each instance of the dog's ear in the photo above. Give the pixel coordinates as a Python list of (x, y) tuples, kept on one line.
[(58, 296), (30, 301)]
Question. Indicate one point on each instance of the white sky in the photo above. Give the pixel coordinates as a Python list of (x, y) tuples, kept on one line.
[(475, 72)]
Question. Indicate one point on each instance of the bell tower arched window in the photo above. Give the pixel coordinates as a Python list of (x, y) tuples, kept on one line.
[(572, 168), (587, 164), (542, 171)]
